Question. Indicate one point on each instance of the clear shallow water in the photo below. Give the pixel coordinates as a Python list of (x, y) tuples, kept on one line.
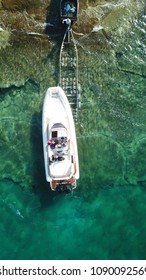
[(105, 216), (50, 226)]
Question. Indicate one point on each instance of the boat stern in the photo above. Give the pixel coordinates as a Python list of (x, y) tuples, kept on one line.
[(63, 185)]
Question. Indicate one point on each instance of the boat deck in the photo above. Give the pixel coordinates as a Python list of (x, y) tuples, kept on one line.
[(59, 157)]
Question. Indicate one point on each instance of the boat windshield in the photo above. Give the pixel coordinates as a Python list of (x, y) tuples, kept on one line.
[(59, 136)]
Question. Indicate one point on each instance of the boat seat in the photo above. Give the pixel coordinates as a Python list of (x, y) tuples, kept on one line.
[(61, 169)]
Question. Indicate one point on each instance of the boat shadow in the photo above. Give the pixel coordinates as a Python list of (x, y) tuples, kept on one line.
[(40, 187)]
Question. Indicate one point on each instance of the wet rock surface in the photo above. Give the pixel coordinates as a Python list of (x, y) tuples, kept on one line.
[(111, 129)]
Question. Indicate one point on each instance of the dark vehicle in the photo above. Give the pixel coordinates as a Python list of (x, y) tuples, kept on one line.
[(69, 9)]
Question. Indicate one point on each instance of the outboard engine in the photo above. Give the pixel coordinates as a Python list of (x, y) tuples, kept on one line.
[(63, 188)]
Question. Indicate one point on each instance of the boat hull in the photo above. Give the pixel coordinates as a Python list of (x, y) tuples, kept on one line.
[(60, 160)]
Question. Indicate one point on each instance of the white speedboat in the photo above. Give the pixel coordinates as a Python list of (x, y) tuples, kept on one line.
[(59, 141)]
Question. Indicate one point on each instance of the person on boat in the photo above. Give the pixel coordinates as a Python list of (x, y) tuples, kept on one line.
[(54, 157), (69, 8), (59, 145), (63, 144), (60, 158), (56, 141), (52, 145), (67, 21), (49, 142)]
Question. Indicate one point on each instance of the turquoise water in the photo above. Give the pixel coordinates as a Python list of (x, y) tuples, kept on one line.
[(104, 218), (44, 225)]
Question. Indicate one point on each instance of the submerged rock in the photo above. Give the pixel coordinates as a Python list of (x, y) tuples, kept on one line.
[(19, 128), (137, 161), (102, 162)]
